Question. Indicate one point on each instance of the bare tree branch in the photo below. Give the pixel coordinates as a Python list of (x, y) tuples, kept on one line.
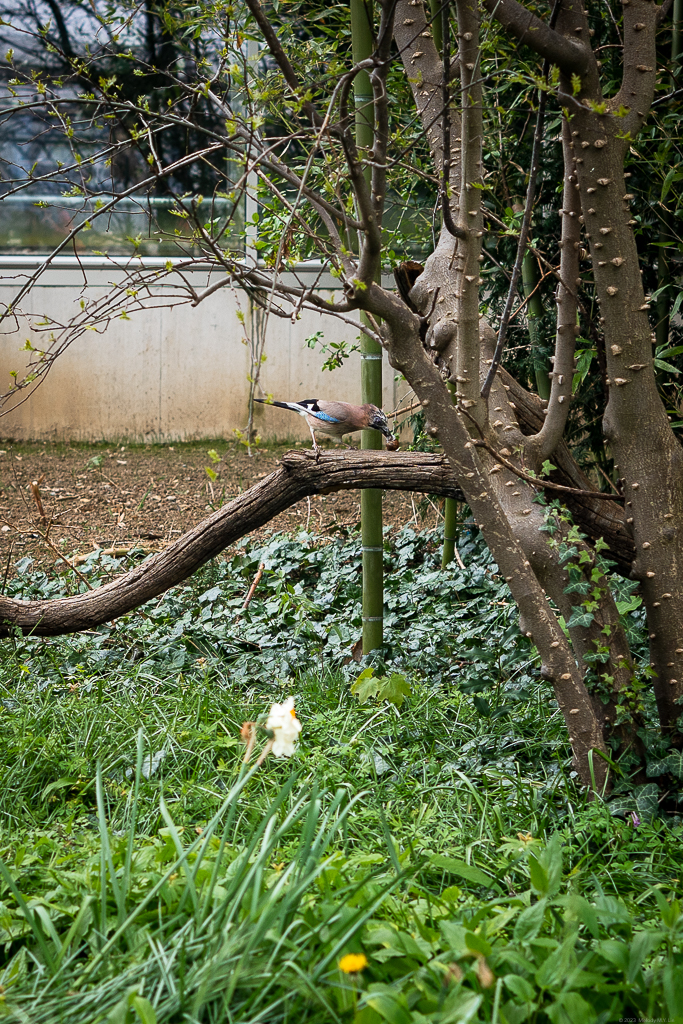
[(168, 170), (526, 223), (454, 229), (471, 215), (549, 437), (521, 247), (283, 62), (570, 56)]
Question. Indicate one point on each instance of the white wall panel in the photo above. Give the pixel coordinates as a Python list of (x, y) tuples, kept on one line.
[(167, 373)]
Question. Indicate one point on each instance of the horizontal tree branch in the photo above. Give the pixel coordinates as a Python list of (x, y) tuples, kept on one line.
[(298, 476)]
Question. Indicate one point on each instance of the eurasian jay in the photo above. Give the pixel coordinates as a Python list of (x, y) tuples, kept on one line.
[(336, 418)]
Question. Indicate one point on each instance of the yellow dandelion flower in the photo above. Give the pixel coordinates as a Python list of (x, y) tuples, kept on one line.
[(353, 962)]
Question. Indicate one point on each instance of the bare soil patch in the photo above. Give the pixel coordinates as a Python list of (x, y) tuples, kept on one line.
[(119, 496)]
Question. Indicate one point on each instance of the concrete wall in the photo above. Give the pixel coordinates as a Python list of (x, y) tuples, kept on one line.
[(167, 373)]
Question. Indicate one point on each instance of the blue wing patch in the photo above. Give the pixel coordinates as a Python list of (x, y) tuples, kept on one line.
[(324, 416)]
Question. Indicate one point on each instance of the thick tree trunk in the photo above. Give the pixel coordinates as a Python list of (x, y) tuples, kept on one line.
[(600, 647), (595, 517), (447, 295), (647, 455)]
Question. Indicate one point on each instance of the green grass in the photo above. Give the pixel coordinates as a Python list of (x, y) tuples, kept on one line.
[(149, 876)]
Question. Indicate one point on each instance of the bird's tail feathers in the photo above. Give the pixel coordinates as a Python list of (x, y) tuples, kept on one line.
[(279, 405)]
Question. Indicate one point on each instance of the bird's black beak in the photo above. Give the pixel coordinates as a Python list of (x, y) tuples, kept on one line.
[(383, 426)]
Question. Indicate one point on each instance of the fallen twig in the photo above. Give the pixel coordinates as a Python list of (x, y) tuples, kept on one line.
[(252, 588), (114, 552), (35, 491), (9, 558), (46, 537)]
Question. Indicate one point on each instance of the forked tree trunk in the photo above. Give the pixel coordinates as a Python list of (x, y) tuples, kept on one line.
[(645, 449)]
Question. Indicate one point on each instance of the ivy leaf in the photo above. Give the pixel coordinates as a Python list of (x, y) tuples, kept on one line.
[(580, 618), (647, 800), (656, 768), (621, 806), (674, 763), (566, 553), (580, 587)]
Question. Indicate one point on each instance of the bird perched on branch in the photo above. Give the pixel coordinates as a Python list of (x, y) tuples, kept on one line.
[(337, 418)]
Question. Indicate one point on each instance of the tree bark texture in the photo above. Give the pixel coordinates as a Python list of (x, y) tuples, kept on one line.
[(646, 452), (510, 423)]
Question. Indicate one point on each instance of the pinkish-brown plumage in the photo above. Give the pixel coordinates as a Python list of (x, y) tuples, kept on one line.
[(336, 418)]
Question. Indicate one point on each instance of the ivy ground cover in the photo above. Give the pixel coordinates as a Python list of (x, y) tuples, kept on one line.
[(425, 856)]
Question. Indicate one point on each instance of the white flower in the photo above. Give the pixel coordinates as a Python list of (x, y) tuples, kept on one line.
[(283, 722)]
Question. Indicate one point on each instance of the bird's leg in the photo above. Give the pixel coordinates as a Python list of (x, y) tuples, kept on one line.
[(315, 444)]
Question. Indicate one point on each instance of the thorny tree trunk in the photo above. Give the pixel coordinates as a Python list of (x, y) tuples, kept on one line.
[(646, 453), (509, 518), (645, 449)]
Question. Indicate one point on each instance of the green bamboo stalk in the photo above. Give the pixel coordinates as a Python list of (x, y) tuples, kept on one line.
[(663, 305), (677, 29), (534, 314), (371, 363), (450, 515), (435, 8), (450, 523)]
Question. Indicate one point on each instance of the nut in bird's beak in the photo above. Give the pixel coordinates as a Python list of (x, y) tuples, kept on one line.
[(392, 443)]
